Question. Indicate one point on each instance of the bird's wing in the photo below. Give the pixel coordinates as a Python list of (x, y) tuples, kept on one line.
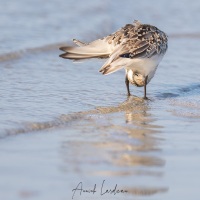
[(145, 42)]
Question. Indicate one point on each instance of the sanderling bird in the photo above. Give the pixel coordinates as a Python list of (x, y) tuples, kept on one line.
[(137, 47)]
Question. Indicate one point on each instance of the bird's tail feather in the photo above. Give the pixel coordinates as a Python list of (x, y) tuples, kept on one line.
[(79, 43), (96, 49), (114, 66), (114, 63)]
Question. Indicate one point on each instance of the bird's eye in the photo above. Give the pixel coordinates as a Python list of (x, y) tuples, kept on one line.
[(136, 74)]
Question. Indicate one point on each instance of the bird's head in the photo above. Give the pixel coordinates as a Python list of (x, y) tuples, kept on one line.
[(138, 79)]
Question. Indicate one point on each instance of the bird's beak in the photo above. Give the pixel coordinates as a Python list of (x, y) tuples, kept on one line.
[(144, 80)]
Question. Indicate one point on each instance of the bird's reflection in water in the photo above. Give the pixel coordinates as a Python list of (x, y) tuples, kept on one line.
[(121, 142)]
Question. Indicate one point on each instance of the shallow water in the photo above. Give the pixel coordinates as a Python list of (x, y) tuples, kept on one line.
[(63, 123)]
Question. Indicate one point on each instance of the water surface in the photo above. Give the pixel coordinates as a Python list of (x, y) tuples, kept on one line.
[(63, 123)]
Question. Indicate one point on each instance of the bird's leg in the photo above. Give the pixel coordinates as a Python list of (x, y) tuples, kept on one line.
[(145, 88), (127, 85)]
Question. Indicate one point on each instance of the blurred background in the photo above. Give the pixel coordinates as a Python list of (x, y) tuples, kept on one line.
[(26, 24), (63, 123)]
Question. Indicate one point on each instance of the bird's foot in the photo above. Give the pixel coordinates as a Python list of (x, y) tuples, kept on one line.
[(146, 98)]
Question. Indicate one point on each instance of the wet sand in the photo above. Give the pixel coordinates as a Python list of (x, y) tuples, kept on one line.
[(63, 123)]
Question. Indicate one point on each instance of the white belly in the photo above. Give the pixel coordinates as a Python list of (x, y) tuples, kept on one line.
[(145, 66)]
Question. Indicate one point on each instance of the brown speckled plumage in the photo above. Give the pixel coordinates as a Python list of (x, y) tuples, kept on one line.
[(139, 40)]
